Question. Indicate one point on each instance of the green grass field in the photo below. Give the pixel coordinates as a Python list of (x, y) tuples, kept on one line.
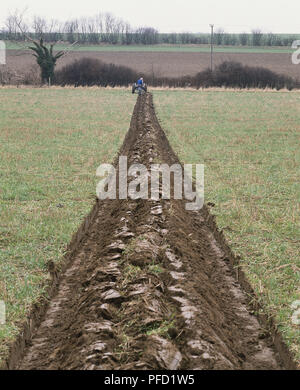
[(164, 48), (52, 140), (249, 143), (51, 143)]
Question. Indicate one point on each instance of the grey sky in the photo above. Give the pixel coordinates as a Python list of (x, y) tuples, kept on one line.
[(278, 16)]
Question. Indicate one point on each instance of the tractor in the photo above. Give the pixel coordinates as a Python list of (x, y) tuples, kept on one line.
[(140, 88)]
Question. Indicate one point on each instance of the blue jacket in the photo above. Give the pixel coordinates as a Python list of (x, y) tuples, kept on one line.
[(140, 82)]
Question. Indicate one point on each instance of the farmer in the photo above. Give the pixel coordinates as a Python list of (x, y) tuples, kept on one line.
[(140, 81), (140, 86)]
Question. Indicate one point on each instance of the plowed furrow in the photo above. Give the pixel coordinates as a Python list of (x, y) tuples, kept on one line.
[(150, 287)]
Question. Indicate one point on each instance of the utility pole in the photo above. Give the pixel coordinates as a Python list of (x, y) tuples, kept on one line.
[(211, 46)]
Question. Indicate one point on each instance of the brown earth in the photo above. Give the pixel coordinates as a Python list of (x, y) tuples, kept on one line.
[(149, 286), (165, 63)]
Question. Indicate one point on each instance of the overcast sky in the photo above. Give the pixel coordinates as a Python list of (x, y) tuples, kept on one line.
[(278, 16)]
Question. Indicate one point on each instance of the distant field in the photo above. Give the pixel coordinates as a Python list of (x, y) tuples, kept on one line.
[(166, 48), (51, 143), (249, 143), (165, 62)]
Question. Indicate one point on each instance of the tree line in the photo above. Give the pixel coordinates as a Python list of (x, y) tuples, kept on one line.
[(107, 29)]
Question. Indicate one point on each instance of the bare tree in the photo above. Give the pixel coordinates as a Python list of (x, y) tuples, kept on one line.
[(128, 34), (256, 37), (51, 34), (112, 28), (83, 30), (71, 30), (270, 39), (243, 38), (15, 23), (100, 26), (93, 35), (185, 37), (39, 26), (219, 36)]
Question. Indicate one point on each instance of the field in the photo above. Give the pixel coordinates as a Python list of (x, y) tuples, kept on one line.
[(192, 48), (249, 143), (165, 61), (50, 150)]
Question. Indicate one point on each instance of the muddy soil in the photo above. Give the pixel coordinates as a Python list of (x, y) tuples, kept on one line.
[(149, 287)]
